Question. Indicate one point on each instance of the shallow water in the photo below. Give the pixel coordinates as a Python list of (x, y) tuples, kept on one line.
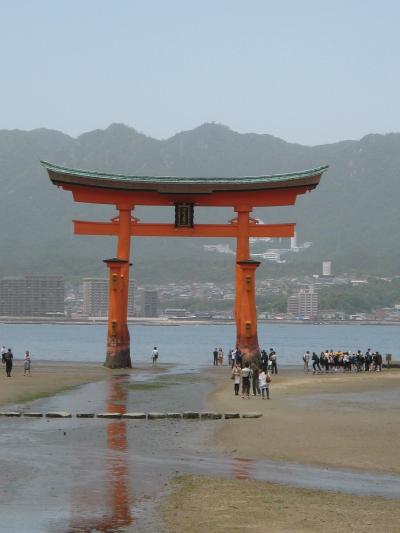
[(190, 346), (79, 475)]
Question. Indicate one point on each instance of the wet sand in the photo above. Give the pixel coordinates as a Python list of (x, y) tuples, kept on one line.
[(339, 420), (205, 504), (48, 378), (306, 419)]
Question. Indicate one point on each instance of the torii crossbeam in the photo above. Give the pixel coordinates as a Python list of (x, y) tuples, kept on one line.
[(125, 192)]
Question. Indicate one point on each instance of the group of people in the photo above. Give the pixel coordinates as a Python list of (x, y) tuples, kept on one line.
[(251, 376), (7, 359), (339, 361), (235, 357), (255, 376)]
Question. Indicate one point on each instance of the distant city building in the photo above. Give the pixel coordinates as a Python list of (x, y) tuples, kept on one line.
[(303, 304), (327, 268), (176, 313), (150, 303), (31, 295), (95, 297)]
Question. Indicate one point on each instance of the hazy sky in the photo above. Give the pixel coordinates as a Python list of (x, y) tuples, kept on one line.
[(307, 71)]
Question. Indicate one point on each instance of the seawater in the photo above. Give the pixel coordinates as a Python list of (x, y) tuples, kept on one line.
[(190, 346)]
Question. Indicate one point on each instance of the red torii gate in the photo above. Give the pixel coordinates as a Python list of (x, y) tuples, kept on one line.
[(126, 192)]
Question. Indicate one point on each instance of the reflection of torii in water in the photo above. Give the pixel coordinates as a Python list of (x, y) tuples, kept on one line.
[(115, 512)]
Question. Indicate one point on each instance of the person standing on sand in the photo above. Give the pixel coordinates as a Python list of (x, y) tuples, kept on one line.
[(234, 352), (215, 354), (220, 356), (236, 372), (246, 374), (3, 351), (274, 366), (8, 359), (238, 358), (264, 358), (230, 357), (27, 363), (264, 381), (154, 355), (306, 359), (254, 379)]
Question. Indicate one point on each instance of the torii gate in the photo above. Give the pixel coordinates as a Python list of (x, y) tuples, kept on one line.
[(126, 192)]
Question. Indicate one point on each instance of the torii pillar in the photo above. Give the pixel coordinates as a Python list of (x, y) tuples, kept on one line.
[(118, 339), (245, 303)]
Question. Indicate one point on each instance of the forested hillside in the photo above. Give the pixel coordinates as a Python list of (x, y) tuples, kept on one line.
[(352, 217)]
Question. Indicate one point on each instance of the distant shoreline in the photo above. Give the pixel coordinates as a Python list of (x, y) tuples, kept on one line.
[(190, 321)]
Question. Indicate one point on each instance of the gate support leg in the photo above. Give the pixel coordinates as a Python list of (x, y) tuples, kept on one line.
[(118, 342), (247, 339)]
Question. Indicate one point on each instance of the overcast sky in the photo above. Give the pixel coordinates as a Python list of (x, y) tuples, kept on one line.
[(307, 71)]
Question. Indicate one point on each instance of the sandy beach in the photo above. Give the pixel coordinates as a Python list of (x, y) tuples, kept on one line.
[(339, 421), (336, 420)]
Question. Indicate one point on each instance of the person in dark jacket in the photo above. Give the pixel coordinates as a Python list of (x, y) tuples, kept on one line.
[(8, 360), (315, 364), (215, 354), (254, 379)]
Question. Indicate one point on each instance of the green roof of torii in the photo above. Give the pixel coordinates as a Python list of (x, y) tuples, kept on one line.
[(60, 175)]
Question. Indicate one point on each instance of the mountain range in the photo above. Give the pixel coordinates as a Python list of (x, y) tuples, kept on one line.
[(351, 218)]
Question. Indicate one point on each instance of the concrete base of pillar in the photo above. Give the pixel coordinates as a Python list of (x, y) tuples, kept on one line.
[(118, 357)]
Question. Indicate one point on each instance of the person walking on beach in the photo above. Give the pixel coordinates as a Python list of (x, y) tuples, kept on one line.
[(246, 374), (8, 360), (27, 363), (236, 372), (215, 354), (315, 365), (154, 355)]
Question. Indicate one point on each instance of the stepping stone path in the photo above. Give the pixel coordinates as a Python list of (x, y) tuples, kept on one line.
[(187, 415), (190, 414)]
